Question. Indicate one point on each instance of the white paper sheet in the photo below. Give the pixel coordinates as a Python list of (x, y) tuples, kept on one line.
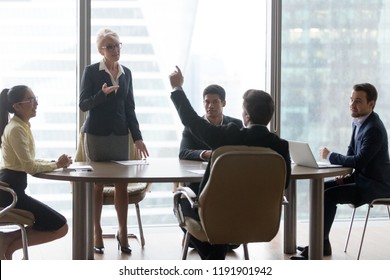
[(131, 162)]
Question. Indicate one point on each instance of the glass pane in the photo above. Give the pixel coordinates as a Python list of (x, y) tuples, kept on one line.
[(212, 41), (38, 49), (328, 46)]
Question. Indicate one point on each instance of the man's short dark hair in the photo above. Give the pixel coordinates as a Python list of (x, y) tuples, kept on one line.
[(369, 89), (259, 105), (215, 89)]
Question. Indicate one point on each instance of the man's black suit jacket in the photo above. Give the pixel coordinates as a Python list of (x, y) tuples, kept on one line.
[(230, 134), (191, 147)]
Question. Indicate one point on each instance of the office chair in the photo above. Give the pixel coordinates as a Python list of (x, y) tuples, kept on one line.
[(136, 191), (241, 201), (9, 216), (375, 202)]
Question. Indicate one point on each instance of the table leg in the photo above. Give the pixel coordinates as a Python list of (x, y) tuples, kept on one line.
[(290, 220), (82, 236), (90, 197), (316, 232)]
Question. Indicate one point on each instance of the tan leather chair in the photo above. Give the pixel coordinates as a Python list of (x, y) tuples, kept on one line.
[(136, 191), (375, 202), (242, 200), (9, 216)]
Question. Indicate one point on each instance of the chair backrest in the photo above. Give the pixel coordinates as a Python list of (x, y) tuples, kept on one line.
[(242, 200)]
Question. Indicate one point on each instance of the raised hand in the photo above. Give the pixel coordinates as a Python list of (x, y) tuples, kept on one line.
[(176, 78)]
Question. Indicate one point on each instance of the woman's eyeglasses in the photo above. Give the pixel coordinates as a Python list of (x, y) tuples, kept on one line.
[(31, 100), (112, 47)]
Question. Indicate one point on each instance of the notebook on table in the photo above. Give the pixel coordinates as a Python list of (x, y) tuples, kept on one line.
[(301, 154)]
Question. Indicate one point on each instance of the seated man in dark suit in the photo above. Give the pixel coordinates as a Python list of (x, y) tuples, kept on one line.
[(368, 155), (258, 109), (191, 148)]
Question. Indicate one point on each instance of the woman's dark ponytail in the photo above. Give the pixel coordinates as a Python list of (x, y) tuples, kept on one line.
[(8, 97)]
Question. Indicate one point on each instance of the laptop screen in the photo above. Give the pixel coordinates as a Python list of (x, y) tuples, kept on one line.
[(301, 154)]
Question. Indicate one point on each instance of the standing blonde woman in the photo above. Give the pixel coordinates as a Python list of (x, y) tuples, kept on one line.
[(107, 95), (18, 160)]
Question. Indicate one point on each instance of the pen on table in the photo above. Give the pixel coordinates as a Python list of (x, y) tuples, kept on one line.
[(78, 169)]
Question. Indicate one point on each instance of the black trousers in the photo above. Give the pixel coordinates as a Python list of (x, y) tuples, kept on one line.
[(337, 194)]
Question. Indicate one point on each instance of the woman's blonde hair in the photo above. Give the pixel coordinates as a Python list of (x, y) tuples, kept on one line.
[(103, 34)]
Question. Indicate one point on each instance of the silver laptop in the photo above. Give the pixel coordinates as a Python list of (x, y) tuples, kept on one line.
[(301, 154)]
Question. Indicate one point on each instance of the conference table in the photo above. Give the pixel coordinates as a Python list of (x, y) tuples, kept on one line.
[(173, 170), (151, 171)]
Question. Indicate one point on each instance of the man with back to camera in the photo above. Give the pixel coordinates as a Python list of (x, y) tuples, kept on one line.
[(258, 108), (367, 154)]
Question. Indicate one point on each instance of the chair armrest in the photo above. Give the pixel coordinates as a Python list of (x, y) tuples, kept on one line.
[(284, 201), (188, 191), (5, 187), (183, 192)]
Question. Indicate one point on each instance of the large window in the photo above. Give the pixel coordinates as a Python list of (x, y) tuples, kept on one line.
[(327, 47), (38, 49), (213, 41)]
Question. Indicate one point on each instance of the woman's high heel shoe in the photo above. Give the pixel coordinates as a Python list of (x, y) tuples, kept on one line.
[(99, 250), (125, 250)]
